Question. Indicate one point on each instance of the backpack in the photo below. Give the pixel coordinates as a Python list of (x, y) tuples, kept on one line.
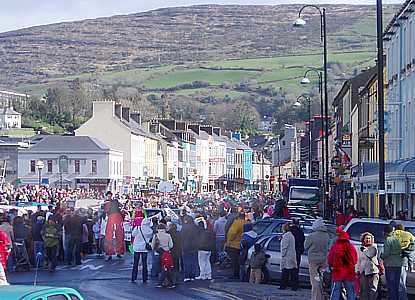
[(167, 261)]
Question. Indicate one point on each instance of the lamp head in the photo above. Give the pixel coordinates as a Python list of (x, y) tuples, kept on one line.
[(297, 104), (300, 22), (40, 164), (305, 80)]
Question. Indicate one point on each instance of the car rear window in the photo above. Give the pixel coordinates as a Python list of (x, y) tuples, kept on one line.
[(74, 297), (356, 230)]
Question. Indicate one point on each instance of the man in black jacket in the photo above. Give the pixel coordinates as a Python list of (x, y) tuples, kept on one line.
[(190, 248), (206, 246), (299, 241), (74, 228)]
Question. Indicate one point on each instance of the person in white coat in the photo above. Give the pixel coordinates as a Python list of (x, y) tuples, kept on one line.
[(288, 259), (142, 244)]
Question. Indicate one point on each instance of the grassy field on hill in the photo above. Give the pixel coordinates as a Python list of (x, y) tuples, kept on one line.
[(284, 71)]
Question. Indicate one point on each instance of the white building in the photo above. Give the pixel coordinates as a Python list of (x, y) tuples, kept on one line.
[(202, 157), (9, 118), (121, 130), (74, 161)]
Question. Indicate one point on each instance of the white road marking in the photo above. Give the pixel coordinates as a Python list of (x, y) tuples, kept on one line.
[(91, 267)]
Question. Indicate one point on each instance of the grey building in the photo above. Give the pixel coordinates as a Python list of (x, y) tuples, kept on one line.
[(282, 153), (9, 148)]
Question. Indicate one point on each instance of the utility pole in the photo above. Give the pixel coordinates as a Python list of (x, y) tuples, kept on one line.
[(381, 108)]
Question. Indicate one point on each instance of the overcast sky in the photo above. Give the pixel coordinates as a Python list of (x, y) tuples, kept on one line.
[(15, 14)]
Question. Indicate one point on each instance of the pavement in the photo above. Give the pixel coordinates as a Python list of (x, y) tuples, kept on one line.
[(103, 280), (260, 291)]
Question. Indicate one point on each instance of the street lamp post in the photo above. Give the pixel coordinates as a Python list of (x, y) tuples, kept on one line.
[(298, 104), (381, 108), (306, 80), (323, 36), (40, 166), (279, 165)]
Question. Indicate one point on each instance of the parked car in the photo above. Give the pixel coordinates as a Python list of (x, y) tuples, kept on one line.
[(30, 292), (358, 226), (269, 225), (272, 247)]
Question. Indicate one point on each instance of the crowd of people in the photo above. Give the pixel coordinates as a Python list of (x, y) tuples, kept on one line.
[(192, 234)]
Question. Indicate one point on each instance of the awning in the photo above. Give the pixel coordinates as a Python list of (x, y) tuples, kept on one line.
[(399, 177)]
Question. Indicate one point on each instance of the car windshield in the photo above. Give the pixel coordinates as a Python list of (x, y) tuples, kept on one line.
[(306, 194), (259, 227), (356, 230)]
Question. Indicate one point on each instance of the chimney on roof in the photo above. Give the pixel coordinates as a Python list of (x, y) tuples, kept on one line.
[(126, 113), (136, 116), (102, 108), (207, 128), (217, 131), (154, 126), (170, 124), (194, 127), (180, 125), (118, 109)]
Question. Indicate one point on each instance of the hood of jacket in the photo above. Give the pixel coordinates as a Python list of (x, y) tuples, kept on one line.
[(318, 225)]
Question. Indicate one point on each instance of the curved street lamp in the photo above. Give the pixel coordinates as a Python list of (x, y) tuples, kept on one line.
[(298, 103), (306, 81), (300, 22), (40, 165)]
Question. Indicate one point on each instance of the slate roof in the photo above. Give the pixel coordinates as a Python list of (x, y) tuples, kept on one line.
[(57, 143), (241, 145), (9, 111), (138, 129), (201, 136)]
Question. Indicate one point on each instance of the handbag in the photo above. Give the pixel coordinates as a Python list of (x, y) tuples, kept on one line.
[(148, 246), (380, 266)]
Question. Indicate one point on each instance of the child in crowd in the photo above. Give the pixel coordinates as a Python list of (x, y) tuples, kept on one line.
[(256, 263), (96, 228)]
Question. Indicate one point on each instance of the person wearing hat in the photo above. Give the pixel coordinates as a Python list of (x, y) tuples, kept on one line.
[(342, 259), (114, 225)]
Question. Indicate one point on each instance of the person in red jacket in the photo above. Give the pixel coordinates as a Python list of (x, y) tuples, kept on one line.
[(340, 218), (342, 258), (115, 225), (5, 245)]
